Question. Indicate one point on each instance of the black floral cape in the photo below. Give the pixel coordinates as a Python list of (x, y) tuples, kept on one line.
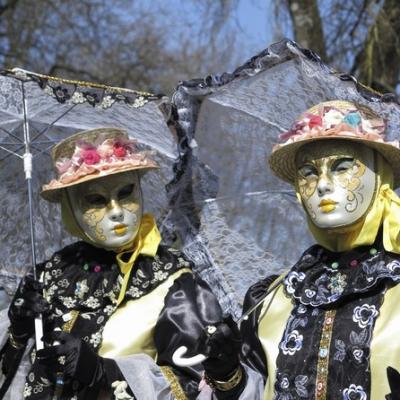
[(325, 349), (82, 284)]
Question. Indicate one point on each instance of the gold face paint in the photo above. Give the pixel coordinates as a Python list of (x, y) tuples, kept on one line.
[(336, 181), (108, 209), (92, 216)]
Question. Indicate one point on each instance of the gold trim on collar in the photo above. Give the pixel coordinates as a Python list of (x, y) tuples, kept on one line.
[(176, 387)]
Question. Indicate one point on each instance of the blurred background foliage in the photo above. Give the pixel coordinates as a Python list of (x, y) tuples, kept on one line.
[(154, 44)]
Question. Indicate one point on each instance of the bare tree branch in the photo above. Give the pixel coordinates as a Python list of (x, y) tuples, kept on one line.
[(377, 65), (9, 5), (307, 25)]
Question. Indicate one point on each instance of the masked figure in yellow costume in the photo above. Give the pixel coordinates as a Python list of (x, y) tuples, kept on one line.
[(113, 295), (331, 329)]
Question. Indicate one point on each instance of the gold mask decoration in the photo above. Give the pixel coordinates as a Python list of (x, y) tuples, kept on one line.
[(109, 209), (336, 181)]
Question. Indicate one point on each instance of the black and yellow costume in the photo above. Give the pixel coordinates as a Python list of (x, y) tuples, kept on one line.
[(163, 306)]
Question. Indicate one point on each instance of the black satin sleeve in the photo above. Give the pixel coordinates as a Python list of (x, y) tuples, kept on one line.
[(252, 351), (110, 373), (189, 307)]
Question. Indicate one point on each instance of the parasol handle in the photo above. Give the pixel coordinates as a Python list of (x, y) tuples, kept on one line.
[(39, 332), (39, 326), (178, 356), (28, 165), (179, 359)]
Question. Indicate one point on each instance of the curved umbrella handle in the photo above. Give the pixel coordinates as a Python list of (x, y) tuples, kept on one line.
[(180, 361), (178, 356)]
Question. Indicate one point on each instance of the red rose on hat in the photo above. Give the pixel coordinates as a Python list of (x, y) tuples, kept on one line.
[(90, 156), (314, 120), (119, 150)]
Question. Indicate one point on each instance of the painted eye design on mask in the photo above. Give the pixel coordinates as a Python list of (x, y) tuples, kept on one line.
[(96, 200), (342, 165), (308, 171), (125, 192)]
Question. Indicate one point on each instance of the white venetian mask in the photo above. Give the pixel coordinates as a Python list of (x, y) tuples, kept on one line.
[(336, 182), (109, 209)]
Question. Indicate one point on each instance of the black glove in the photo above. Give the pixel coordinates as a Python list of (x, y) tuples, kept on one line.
[(81, 362), (394, 383), (221, 344), (27, 304)]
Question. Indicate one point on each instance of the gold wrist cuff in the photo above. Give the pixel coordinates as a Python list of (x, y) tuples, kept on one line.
[(15, 343), (229, 384)]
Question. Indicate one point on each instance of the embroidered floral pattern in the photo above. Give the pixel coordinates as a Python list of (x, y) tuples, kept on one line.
[(68, 302), (81, 288), (365, 315), (313, 282), (337, 283), (287, 388), (134, 292), (95, 339), (292, 343), (92, 302), (333, 352), (292, 280), (354, 392), (33, 388), (70, 288), (160, 276), (27, 390)]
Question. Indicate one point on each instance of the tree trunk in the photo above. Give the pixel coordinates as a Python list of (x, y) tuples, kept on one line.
[(307, 25)]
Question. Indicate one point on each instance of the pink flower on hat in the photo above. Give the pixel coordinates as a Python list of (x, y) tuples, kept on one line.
[(119, 149), (332, 117), (63, 165), (90, 156), (105, 149)]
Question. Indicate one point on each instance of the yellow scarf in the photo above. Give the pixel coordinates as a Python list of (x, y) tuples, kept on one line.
[(146, 241), (384, 211)]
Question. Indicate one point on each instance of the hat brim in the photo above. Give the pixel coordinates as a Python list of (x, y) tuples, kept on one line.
[(53, 195), (283, 160)]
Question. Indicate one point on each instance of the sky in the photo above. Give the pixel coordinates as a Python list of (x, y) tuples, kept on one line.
[(254, 20)]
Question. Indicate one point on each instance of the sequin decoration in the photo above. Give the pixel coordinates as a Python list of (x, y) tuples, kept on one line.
[(323, 356), (353, 263), (337, 283), (373, 251)]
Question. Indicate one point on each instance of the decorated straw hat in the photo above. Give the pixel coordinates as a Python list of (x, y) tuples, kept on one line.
[(335, 119), (94, 154)]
